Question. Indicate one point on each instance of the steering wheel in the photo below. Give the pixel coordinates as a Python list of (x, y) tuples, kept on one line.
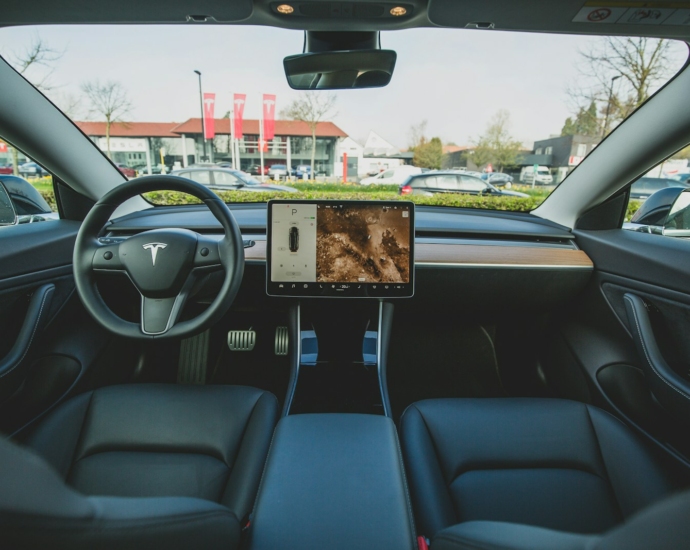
[(163, 264)]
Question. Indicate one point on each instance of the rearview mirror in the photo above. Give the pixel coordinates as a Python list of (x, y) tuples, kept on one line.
[(8, 215), (339, 70)]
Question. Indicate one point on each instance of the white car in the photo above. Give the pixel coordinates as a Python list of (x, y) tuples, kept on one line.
[(543, 176), (392, 176)]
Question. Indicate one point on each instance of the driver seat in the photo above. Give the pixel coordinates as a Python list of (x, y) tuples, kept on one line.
[(137, 466)]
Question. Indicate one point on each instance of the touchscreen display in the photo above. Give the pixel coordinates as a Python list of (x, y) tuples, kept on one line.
[(340, 248)]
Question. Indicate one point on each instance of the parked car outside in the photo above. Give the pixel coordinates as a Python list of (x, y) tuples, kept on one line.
[(432, 183), (28, 202), (392, 176), (498, 179), (645, 186), (32, 169), (127, 171), (225, 179), (278, 171), (303, 171), (542, 177), (7, 169), (257, 170), (683, 178)]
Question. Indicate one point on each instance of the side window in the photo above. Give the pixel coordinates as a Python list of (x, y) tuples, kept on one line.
[(660, 199), (448, 182), (224, 178), (431, 182), (470, 184), (200, 176), (387, 174), (28, 184)]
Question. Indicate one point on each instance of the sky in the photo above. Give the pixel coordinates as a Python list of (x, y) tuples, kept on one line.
[(455, 79)]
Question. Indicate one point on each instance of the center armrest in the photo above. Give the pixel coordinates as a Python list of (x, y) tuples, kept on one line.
[(333, 481)]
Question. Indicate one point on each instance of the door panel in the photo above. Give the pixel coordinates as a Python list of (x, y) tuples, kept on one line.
[(628, 334), (49, 343)]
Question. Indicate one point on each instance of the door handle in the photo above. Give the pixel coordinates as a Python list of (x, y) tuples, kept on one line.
[(35, 320), (670, 389)]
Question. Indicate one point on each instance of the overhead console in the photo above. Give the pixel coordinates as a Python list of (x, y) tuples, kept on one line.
[(342, 249)]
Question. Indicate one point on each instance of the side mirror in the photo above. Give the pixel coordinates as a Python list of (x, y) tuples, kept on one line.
[(677, 223), (8, 215)]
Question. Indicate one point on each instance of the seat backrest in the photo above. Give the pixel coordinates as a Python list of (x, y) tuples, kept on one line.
[(38, 510)]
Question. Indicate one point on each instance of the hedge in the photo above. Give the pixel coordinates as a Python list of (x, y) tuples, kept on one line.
[(324, 191), (463, 201)]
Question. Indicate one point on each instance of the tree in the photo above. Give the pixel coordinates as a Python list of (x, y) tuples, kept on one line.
[(428, 154), (586, 123), (482, 154), (642, 63), (38, 54), (108, 100), (312, 108), (417, 134), (496, 144)]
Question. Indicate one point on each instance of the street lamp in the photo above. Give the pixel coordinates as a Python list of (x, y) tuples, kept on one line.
[(201, 104), (608, 107)]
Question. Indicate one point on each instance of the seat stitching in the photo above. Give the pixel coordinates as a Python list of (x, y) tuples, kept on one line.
[(79, 439), (593, 474), (603, 461), (36, 325), (644, 347), (401, 465)]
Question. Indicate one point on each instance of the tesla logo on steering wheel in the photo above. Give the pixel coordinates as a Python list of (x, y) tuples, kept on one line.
[(154, 248)]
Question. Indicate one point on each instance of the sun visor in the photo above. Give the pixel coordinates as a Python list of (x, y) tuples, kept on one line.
[(124, 11), (621, 17)]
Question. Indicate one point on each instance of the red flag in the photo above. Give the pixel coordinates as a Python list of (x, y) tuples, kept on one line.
[(209, 121), (263, 145), (269, 116), (3, 147), (238, 102)]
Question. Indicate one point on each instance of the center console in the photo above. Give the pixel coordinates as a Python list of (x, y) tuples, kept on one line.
[(334, 477), (333, 481)]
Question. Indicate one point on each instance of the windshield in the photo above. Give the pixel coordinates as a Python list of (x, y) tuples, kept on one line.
[(469, 104)]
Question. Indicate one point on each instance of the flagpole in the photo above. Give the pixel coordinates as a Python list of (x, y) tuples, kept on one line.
[(232, 138), (261, 141)]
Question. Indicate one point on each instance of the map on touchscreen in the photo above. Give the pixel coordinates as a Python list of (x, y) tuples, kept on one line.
[(341, 243)]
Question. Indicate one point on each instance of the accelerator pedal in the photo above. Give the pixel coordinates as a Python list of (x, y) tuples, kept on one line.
[(241, 340), (191, 368), (282, 341)]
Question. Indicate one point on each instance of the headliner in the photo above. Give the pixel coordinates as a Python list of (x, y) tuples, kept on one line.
[(552, 16)]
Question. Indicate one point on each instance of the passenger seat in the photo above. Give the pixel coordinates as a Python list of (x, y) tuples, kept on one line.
[(551, 464)]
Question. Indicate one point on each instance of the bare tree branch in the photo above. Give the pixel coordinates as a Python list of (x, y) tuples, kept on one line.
[(108, 100), (38, 54), (312, 108)]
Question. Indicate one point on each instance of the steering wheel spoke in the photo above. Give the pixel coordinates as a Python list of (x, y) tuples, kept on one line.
[(106, 257), (207, 252)]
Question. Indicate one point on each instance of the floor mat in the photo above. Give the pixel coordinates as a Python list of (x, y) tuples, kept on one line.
[(259, 368), (440, 361)]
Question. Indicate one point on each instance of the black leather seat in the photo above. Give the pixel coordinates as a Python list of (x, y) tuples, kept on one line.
[(663, 526), (549, 463), (139, 465)]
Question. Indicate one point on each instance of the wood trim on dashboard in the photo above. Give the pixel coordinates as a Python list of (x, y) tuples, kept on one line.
[(478, 255), (497, 256)]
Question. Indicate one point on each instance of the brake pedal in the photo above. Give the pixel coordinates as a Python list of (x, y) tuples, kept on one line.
[(282, 341), (241, 340)]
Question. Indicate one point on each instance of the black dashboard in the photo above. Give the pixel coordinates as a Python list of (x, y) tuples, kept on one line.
[(465, 260)]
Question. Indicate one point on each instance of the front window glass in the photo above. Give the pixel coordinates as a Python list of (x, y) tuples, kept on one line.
[(443, 109)]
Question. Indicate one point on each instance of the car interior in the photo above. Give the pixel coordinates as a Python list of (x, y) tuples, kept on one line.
[(169, 378)]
